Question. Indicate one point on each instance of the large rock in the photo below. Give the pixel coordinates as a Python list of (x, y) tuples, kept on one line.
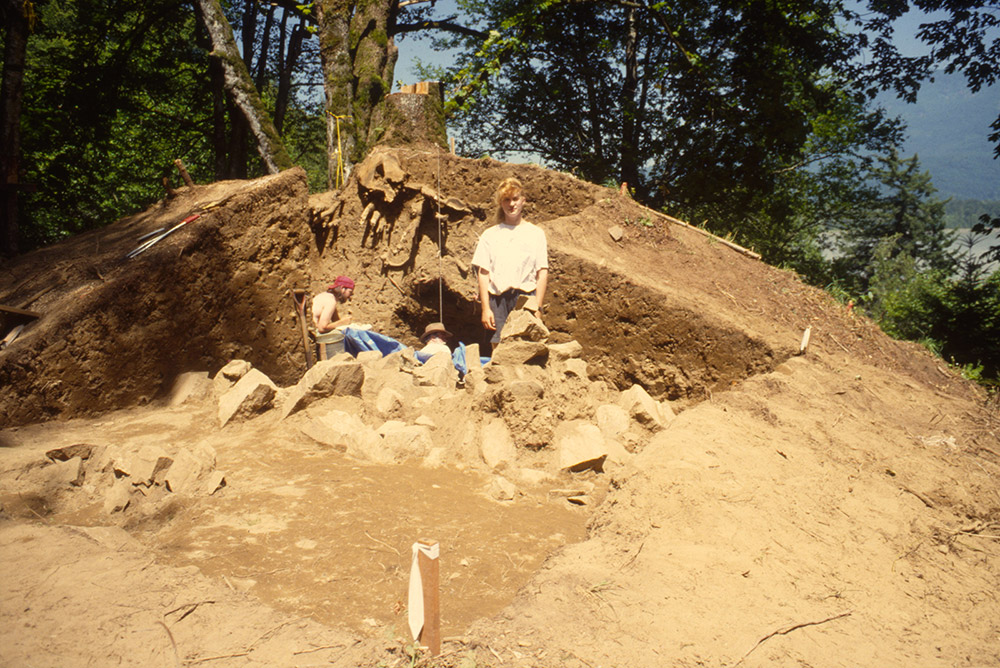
[(230, 374), (349, 434), (189, 469), (142, 466), (523, 325), (514, 351), (496, 445), (407, 441), (389, 403), (473, 358), (612, 420), (438, 371), (191, 386), (501, 489), (69, 473), (327, 378), (561, 352), (644, 409), (580, 445), (253, 394)]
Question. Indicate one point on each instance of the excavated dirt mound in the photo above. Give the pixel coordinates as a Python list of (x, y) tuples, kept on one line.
[(840, 507)]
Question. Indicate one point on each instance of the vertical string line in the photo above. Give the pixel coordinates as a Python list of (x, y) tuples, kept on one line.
[(437, 200)]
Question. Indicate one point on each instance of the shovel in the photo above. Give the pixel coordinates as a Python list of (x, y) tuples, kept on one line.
[(299, 297)]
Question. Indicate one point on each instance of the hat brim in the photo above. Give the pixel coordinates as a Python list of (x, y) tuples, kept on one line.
[(431, 333)]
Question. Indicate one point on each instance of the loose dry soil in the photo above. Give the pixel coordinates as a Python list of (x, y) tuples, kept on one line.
[(836, 508)]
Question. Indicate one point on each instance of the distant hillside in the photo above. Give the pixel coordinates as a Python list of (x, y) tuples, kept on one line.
[(948, 129), (964, 213)]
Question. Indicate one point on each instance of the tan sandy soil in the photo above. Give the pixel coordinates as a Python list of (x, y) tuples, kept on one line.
[(838, 508)]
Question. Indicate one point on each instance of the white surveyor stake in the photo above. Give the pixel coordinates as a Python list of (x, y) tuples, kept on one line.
[(424, 604)]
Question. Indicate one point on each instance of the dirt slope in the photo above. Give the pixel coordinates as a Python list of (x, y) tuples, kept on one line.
[(836, 508)]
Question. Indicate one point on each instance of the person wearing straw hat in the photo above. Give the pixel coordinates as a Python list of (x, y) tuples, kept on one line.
[(326, 305), (435, 339)]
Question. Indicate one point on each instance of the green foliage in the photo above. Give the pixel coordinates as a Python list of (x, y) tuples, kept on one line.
[(905, 301), (965, 213), (106, 111), (906, 212), (739, 114), (959, 35)]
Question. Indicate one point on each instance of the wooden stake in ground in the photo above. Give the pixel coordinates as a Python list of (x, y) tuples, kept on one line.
[(424, 600)]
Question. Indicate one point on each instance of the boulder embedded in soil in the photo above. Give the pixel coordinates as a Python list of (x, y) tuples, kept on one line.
[(496, 445), (230, 374), (560, 352), (580, 445), (523, 325), (251, 395), (646, 410), (515, 351), (327, 378)]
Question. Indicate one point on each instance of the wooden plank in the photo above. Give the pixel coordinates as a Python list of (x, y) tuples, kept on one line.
[(20, 311), (430, 578)]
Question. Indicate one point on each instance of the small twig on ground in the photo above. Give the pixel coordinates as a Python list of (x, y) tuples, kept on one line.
[(191, 662), (789, 629), (177, 656), (633, 557), (380, 542), (395, 285), (834, 339), (494, 653), (920, 496), (191, 607), (717, 287), (318, 649)]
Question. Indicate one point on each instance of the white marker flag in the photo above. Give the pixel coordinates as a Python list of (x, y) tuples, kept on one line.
[(416, 598)]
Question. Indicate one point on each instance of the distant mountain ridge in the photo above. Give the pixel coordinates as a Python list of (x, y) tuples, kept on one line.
[(948, 128)]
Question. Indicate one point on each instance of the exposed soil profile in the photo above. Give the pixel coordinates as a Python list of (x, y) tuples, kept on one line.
[(751, 506)]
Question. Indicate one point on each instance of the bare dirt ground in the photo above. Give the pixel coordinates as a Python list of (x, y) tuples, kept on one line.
[(838, 508)]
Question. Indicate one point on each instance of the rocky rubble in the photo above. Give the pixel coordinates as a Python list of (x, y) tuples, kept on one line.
[(531, 410), (531, 414)]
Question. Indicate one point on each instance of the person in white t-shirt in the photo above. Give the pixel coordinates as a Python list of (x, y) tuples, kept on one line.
[(512, 259)]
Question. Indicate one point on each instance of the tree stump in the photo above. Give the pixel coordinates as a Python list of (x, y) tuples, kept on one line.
[(414, 116)]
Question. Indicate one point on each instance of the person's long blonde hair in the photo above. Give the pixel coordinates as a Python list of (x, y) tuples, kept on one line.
[(509, 187)]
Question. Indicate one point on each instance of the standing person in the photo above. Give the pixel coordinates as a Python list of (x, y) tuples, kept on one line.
[(512, 259), (325, 306)]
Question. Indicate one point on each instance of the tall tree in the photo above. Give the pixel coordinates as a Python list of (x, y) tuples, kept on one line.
[(907, 216), (15, 15), (960, 36), (730, 112), (240, 86)]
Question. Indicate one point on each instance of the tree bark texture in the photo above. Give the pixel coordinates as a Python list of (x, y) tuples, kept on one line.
[(240, 87), (12, 94), (358, 58), (411, 118)]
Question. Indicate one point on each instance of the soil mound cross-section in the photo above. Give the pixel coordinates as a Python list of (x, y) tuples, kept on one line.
[(663, 480)]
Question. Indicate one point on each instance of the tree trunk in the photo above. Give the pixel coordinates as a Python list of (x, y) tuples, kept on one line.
[(630, 87), (240, 87), (288, 63), (12, 94), (265, 46), (358, 58)]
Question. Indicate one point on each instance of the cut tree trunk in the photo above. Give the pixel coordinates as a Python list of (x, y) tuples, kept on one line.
[(240, 87), (358, 57), (413, 116)]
